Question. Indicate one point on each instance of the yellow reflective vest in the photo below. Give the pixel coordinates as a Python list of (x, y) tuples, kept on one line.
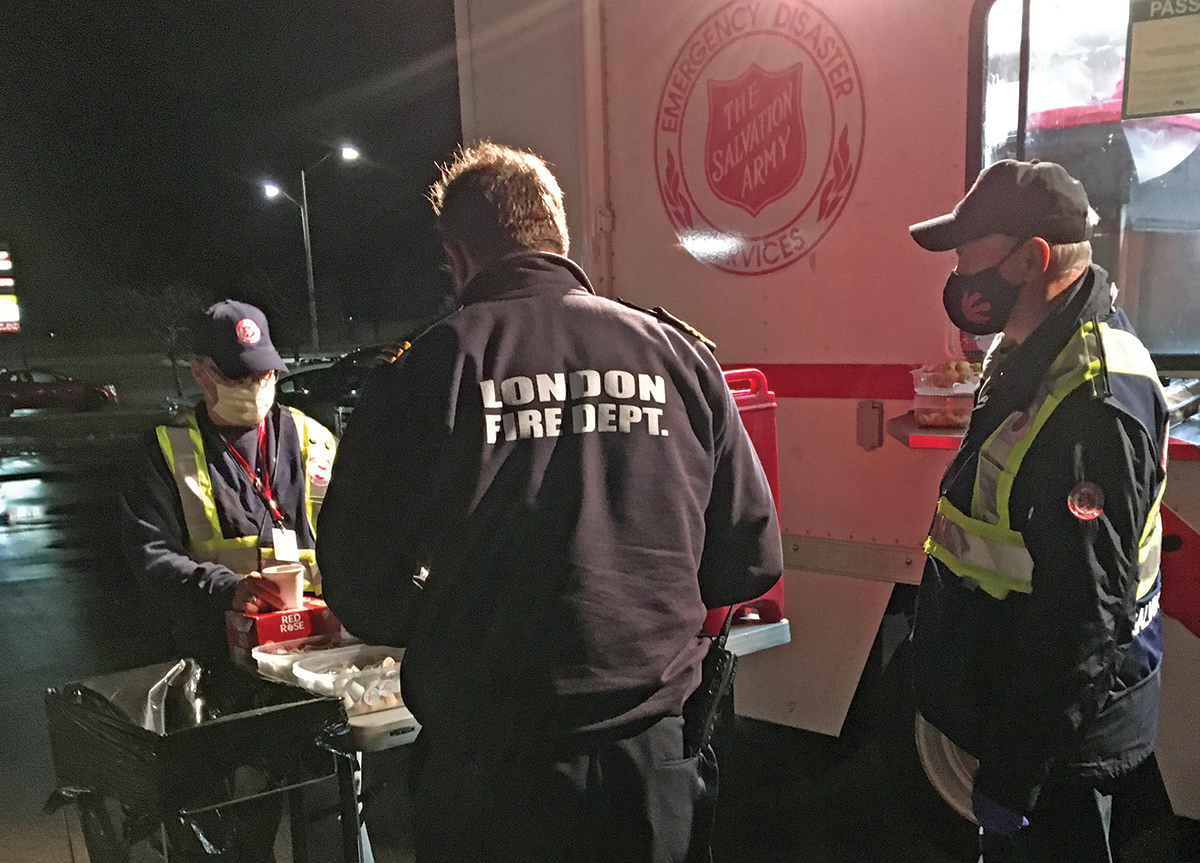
[(183, 448), (981, 546)]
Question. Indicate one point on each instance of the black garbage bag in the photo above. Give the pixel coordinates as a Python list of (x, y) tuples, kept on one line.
[(197, 750)]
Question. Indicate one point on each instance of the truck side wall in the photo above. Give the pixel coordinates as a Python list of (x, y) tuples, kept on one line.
[(587, 84)]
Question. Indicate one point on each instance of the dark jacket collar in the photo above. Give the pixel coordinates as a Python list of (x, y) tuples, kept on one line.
[(1013, 379), (1088, 298), (525, 274), (1023, 366)]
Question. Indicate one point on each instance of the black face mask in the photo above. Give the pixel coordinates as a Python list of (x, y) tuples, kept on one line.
[(981, 303)]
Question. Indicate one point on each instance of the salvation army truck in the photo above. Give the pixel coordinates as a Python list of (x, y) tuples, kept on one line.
[(752, 166)]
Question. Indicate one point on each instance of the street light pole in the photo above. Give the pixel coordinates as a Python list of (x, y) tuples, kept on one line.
[(312, 290), (349, 154)]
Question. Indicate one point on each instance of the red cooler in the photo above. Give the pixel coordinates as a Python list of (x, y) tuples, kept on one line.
[(756, 405)]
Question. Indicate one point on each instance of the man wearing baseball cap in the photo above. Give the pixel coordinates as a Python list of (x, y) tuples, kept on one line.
[(234, 485), (1037, 638)]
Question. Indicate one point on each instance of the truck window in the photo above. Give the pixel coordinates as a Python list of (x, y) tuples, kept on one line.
[(1062, 102)]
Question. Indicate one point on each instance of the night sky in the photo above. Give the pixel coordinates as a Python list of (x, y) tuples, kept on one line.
[(136, 135)]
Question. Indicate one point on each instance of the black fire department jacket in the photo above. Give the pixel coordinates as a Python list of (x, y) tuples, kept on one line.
[(576, 478), (1062, 680)]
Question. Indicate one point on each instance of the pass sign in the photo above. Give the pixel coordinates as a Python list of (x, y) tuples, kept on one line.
[(1162, 68)]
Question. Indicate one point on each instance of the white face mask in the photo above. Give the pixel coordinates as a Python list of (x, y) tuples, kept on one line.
[(246, 404)]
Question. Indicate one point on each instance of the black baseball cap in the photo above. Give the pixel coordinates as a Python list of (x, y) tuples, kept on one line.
[(236, 337), (1017, 199)]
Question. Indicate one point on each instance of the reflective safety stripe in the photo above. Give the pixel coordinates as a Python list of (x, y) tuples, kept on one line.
[(1150, 548), (992, 557), (313, 437), (183, 448), (982, 547), (184, 452), (1001, 455)]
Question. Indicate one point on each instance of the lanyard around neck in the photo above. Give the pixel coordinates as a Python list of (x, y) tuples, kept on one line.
[(261, 484)]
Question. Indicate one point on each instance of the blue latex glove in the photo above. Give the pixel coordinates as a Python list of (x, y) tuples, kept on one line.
[(994, 818)]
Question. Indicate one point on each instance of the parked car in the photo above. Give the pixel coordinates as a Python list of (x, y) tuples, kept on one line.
[(329, 394), (45, 388)]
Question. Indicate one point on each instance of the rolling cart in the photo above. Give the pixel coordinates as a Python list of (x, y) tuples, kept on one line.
[(175, 745)]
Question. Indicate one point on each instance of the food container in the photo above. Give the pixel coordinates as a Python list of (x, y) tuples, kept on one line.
[(942, 411), (366, 677), (944, 394), (383, 729), (276, 660)]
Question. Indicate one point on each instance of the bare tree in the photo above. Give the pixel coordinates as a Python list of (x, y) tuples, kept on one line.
[(168, 312)]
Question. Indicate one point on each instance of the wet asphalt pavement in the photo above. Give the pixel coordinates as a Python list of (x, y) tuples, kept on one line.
[(66, 615)]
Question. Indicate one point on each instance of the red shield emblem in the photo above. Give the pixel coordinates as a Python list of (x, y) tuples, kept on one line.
[(754, 151)]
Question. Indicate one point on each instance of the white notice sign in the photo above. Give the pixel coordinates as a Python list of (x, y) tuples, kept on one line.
[(1162, 66)]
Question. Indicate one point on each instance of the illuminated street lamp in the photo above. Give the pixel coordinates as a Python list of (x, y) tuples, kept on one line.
[(272, 190)]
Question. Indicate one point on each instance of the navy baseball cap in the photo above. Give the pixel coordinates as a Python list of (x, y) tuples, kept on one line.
[(236, 337), (1017, 199)]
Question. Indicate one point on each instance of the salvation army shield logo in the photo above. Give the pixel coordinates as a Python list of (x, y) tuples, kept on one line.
[(758, 136), (754, 150)]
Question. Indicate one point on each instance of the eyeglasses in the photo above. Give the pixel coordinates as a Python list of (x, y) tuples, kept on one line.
[(262, 378)]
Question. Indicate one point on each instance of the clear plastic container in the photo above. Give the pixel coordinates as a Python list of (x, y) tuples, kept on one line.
[(942, 411), (276, 659), (944, 394), (366, 677)]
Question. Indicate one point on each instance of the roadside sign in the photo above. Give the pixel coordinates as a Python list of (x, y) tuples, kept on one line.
[(10, 314)]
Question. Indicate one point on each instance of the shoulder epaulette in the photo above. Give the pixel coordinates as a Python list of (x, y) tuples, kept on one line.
[(391, 353), (668, 318)]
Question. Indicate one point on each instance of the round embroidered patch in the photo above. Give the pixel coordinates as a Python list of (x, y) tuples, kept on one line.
[(1086, 501), (247, 332), (319, 472), (1019, 421)]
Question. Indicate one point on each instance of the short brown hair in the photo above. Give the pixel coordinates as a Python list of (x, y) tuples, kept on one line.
[(496, 200)]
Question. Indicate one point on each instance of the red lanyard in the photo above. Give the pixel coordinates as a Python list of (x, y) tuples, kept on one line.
[(263, 485)]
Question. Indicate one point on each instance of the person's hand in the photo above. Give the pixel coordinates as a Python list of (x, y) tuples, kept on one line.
[(994, 818), (255, 594)]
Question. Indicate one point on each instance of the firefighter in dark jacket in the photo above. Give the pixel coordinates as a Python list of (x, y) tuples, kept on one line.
[(574, 475), (236, 484), (1037, 637)]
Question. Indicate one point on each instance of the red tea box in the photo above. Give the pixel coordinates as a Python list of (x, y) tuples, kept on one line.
[(247, 631)]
